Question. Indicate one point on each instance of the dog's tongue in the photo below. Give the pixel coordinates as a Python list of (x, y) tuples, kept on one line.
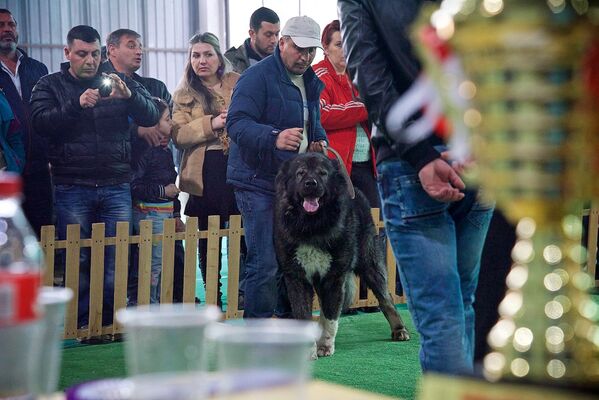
[(311, 205)]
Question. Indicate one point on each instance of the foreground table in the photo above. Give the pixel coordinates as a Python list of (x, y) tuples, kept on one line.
[(435, 387), (316, 390)]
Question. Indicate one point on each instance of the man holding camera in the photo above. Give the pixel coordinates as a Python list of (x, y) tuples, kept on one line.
[(85, 116)]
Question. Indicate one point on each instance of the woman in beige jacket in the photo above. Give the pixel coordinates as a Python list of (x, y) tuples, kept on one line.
[(200, 111)]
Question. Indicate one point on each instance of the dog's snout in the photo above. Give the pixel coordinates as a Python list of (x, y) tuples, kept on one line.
[(310, 183)]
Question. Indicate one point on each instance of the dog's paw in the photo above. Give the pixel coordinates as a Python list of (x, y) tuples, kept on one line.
[(400, 335), (326, 349), (313, 353)]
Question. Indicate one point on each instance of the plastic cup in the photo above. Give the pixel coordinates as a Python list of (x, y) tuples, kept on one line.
[(47, 367), (272, 351), (165, 337)]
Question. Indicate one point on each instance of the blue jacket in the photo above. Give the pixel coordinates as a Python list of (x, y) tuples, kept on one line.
[(11, 142), (264, 103), (30, 71)]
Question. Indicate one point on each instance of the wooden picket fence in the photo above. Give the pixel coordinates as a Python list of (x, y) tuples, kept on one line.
[(122, 241)]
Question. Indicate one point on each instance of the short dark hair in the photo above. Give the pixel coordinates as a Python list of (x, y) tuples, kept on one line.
[(5, 11), (114, 38), (83, 32), (260, 15)]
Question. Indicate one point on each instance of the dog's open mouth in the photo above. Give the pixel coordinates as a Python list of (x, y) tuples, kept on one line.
[(311, 204)]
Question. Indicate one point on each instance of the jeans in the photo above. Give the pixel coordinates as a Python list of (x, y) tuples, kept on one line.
[(438, 247), (85, 205), (156, 270), (264, 289)]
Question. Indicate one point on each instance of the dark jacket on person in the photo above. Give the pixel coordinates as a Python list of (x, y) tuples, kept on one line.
[(153, 170), (239, 57), (12, 152), (381, 60), (30, 71), (156, 88), (264, 103), (91, 146)]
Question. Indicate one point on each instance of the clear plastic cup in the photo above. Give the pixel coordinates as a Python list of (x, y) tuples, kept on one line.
[(53, 300), (273, 351), (165, 337)]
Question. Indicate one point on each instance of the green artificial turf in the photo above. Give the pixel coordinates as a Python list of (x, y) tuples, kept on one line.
[(365, 358)]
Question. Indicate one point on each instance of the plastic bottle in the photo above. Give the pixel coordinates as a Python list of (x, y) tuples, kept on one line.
[(20, 276)]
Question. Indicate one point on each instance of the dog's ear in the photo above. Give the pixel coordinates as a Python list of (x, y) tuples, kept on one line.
[(282, 177)]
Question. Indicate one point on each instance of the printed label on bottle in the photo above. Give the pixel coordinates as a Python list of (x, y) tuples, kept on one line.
[(18, 297)]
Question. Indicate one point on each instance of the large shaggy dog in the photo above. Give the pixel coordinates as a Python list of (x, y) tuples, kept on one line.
[(323, 237)]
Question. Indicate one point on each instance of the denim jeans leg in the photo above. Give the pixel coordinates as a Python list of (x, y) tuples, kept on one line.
[(261, 265), (471, 232), (114, 206), (156, 272), (77, 205), (425, 242)]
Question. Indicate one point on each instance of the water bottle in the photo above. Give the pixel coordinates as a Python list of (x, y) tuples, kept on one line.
[(20, 276)]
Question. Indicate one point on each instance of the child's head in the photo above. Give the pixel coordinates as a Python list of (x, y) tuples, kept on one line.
[(165, 124)]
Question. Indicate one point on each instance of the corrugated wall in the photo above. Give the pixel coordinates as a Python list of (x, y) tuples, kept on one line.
[(165, 26)]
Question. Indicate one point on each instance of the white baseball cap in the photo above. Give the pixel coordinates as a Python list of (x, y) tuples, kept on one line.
[(304, 31)]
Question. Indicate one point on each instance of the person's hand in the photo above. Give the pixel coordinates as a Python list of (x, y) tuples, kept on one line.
[(290, 139), (119, 88), (150, 134), (318, 147), (458, 166), (89, 98), (171, 191), (441, 181), (219, 121), (179, 225)]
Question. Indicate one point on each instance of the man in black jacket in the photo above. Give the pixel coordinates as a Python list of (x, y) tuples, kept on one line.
[(89, 148), (125, 53), (18, 74), (436, 226)]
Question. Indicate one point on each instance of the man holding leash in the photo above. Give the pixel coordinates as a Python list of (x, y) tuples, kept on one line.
[(274, 115)]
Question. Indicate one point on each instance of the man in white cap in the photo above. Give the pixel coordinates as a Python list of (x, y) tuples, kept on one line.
[(273, 116)]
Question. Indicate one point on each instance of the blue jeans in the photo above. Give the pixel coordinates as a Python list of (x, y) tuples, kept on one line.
[(156, 270), (438, 247), (263, 282), (85, 205)]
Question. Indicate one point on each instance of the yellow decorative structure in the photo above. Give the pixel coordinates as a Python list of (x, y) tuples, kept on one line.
[(529, 97)]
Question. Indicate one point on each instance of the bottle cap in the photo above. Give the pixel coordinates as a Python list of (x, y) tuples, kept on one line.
[(10, 184)]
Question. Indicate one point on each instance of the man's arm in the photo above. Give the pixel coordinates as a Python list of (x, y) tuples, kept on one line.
[(151, 134), (141, 106), (247, 106), (48, 116), (381, 61)]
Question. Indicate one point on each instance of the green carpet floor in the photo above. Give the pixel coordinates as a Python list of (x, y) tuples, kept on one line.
[(365, 358)]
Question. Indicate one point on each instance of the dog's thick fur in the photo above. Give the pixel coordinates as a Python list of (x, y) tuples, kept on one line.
[(323, 237)]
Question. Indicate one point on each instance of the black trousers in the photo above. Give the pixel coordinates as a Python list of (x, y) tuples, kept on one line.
[(218, 199), (38, 202)]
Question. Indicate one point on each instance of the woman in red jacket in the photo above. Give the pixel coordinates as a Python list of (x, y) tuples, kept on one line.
[(344, 118)]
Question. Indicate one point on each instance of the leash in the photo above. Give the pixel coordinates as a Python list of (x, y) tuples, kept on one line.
[(350, 186)]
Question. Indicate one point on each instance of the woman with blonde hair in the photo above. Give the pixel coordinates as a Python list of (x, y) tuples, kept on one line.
[(200, 110)]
